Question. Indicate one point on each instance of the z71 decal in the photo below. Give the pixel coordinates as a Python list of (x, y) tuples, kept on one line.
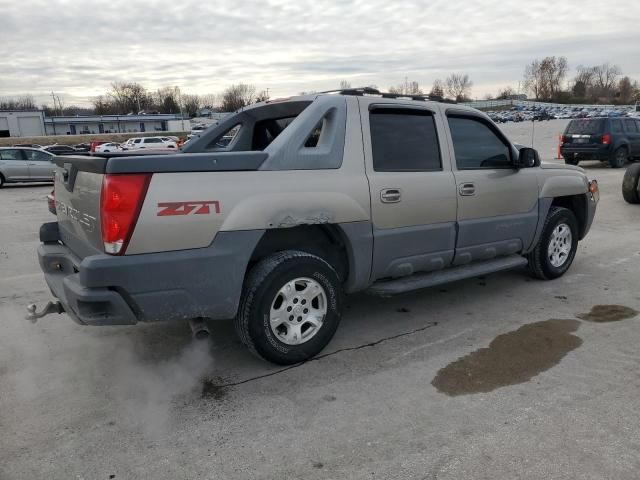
[(186, 208)]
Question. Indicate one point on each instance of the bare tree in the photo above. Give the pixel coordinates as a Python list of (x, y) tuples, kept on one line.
[(167, 100), (544, 77), (262, 96), (437, 89), (129, 97), (344, 85), (605, 77), (506, 93), (407, 88), (190, 104), (210, 100), (24, 102), (458, 86), (237, 96), (625, 90)]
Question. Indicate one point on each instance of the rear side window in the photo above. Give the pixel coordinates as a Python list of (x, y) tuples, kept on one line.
[(11, 155), (631, 126), (616, 126), (404, 140), (585, 127), (152, 140), (38, 156), (477, 146)]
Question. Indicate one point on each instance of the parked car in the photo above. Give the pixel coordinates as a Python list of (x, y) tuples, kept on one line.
[(107, 147), (310, 198), (60, 149), (148, 142), (613, 140), (23, 164), (82, 147), (94, 144)]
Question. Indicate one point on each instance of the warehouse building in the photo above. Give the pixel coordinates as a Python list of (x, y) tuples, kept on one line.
[(21, 123), (94, 124)]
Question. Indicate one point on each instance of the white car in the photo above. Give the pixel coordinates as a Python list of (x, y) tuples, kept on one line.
[(149, 142), (108, 147)]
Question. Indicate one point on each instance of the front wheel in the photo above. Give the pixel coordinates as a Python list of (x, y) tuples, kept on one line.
[(556, 249), (290, 307)]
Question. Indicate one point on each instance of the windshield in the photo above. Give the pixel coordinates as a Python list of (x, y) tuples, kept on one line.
[(585, 126)]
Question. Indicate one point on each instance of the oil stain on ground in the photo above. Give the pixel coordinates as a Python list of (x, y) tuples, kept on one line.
[(511, 358), (211, 389), (608, 313)]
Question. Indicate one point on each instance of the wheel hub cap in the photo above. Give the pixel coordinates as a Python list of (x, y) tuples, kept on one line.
[(298, 311), (560, 245)]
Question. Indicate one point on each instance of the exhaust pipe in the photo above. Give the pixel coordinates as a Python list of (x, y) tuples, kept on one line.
[(199, 328)]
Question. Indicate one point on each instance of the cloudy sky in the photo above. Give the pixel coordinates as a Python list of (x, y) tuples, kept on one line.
[(77, 48)]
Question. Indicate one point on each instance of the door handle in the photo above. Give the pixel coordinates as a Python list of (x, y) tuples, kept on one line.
[(390, 195), (467, 189)]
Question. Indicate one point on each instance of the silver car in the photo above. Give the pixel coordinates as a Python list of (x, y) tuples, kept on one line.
[(23, 164)]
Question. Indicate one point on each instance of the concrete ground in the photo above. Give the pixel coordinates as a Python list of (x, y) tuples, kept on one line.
[(495, 377)]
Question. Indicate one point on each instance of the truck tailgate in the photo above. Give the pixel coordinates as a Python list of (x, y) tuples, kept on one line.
[(78, 183)]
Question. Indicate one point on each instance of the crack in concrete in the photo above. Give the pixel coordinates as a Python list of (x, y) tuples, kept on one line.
[(330, 354)]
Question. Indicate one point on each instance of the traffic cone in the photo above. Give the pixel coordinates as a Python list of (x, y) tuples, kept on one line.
[(559, 155)]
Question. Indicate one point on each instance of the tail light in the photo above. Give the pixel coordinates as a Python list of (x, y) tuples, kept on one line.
[(120, 203), (606, 139)]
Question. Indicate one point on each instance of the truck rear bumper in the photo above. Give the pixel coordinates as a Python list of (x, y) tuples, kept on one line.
[(123, 290)]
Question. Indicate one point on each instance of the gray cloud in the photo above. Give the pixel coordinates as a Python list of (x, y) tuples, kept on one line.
[(78, 48)]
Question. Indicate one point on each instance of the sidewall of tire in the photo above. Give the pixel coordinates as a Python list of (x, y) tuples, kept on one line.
[(614, 158), (630, 184), (560, 216), (264, 340)]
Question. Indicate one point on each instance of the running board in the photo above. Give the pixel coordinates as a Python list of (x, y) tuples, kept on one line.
[(430, 279)]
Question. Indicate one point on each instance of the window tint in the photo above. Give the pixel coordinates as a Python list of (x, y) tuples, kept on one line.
[(10, 155), (616, 126), (37, 156), (404, 140), (477, 146), (631, 126), (152, 140), (584, 127), (137, 140)]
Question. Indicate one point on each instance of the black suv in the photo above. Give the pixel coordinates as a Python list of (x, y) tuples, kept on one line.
[(613, 140)]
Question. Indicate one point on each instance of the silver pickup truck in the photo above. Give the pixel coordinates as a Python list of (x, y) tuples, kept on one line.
[(273, 215)]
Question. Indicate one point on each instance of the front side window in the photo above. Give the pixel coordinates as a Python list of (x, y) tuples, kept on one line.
[(477, 146), (38, 156), (404, 140)]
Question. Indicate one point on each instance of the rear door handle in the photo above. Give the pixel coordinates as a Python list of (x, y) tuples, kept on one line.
[(467, 189), (390, 195)]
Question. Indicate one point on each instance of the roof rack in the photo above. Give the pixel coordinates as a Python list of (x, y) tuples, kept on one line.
[(361, 91)]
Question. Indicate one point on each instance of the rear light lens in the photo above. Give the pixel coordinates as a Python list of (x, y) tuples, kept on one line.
[(120, 203), (606, 139)]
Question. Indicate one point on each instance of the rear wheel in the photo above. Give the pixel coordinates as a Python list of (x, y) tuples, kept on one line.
[(619, 157), (1, 181), (290, 307), (630, 184), (557, 247)]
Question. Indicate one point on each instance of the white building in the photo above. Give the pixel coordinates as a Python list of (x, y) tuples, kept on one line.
[(95, 124), (19, 123)]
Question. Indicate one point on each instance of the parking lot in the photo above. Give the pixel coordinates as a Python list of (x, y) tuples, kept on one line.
[(495, 377)]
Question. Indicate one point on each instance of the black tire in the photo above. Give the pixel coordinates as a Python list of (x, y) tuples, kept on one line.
[(1, 181), (571, 160), (539, 259), (619, 157), (630, 184), (261, 289)]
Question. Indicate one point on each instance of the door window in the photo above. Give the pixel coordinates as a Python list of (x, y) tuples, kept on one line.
[(616, 126), (38, 156), (404, 140), (631, 126), (11, 155), (478, 146)]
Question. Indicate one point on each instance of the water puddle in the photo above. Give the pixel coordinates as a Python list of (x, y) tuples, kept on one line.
[(511, 358), (608, 313)]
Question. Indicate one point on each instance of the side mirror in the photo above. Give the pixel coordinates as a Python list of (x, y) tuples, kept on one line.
[(527, 158)]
